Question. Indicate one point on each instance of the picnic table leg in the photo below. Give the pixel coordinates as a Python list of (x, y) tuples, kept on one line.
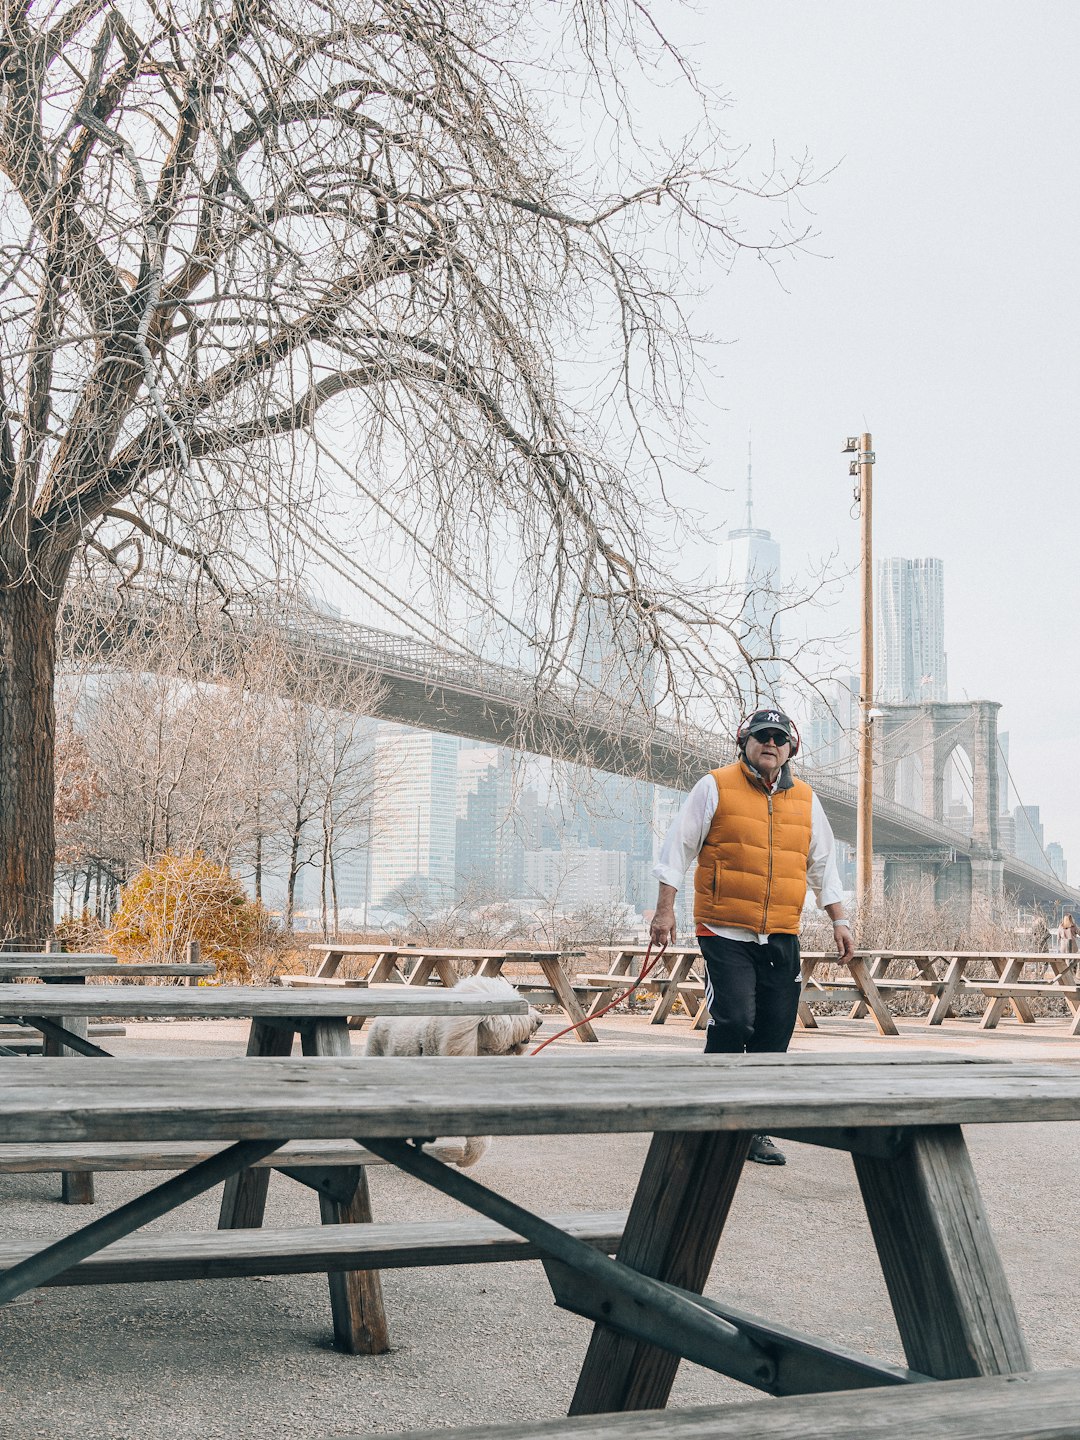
[(678, 972), (356, 1300), (807, 1018), (446, 972), (328, 965), (1021, 1009), (244, 1200), (76, 1186), (878, 1009), (1008, 973), (674, 1226), (620, 966), (876, 969), (420, 972), (951, 1300), (564, 994), (1063, 972), (954, 975), (385, 970)]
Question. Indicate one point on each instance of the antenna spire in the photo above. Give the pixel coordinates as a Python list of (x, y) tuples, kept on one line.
[(749, 480)]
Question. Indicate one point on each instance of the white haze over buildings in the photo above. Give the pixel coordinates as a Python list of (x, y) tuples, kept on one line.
[(935, 306), (938, 310)]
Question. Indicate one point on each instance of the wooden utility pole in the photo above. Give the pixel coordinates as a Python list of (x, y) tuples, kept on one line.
[(864, 855), (863, 468)]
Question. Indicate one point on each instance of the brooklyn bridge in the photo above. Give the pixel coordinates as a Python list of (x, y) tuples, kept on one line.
[(426, 686)]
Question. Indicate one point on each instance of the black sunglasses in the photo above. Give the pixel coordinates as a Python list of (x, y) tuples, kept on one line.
[(778, 737)]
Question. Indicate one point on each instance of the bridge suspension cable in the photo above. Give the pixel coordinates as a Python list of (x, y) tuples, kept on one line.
[(1024, 810)]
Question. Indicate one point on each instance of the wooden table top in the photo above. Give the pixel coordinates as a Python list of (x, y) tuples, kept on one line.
[(247, 1001), (334, 1098), (448, 952), (60, 965)]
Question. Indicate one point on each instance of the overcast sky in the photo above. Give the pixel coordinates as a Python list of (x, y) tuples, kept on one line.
[(942, 316)]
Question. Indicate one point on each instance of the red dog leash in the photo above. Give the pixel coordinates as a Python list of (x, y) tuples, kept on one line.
[(646, 970)]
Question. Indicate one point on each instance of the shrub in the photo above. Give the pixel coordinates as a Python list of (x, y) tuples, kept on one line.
[(179, 898), (82, 934)]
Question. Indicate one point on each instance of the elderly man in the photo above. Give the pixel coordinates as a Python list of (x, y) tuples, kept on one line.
[(759, 836)]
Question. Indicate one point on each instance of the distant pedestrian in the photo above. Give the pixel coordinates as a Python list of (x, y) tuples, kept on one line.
[(1040, 935), (1067, 935)]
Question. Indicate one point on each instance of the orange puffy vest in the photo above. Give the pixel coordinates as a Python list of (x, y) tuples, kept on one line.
[(751, 872)]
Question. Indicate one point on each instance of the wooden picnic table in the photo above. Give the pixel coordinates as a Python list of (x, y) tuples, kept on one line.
[(1059, 980), (943, 976), (676, 975), (684, 979), (321, 1018), (421, 965), (898, 1115), (62, 968), (59, 968)]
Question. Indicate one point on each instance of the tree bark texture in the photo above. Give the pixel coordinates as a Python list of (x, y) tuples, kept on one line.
[(27, 737)]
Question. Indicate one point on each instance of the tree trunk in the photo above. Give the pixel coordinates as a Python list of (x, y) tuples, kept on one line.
[(294, 867), (27, 760)]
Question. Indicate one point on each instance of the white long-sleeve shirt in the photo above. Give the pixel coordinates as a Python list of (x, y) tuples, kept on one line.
[(687, 832)]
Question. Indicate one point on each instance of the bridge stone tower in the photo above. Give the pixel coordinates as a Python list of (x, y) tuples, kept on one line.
[(932, 731)]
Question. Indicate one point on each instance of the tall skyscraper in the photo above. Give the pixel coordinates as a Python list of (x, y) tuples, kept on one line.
[(910, 631), (414, 814), (750, 571), (1056, 856), (487, 839), (611, 812), (1029, 841), (1002, 761), (831, 736)]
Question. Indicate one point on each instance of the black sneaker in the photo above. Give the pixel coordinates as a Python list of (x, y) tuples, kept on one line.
[(764, 1152)]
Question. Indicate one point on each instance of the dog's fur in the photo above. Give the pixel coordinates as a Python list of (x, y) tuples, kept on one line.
[(458, 1035)]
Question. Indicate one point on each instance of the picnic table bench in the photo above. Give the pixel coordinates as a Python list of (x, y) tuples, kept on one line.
[(899, 1116), (60, 1011), (425, 965), (1034, 1405)]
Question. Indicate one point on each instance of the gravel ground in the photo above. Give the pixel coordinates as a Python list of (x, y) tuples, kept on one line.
[(484, 1344)]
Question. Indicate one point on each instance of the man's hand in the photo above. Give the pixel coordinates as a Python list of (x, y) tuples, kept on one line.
[(662, 928), (662, 925), (845, 948)]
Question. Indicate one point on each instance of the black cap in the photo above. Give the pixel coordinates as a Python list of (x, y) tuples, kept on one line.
[(769, 720)]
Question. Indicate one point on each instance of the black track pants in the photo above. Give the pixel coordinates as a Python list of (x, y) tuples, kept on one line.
[(752, 992)]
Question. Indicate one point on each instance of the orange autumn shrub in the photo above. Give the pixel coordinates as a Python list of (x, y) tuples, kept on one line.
[(179, 898)]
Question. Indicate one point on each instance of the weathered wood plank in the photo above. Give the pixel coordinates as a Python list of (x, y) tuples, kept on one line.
[(1033, 1406), (672, 1231), (313, 1249), (243, 1200), (140, 1156), (356, 1299), (323, 1098), (949, 1294), (243, 1001)]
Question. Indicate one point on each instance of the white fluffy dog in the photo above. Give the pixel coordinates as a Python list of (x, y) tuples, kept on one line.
[(458, 1035)]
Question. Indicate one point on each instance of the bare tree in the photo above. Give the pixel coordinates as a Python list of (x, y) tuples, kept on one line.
[(235, 232)]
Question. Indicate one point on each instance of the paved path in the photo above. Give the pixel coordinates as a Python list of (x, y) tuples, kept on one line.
[(251, 1358)]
